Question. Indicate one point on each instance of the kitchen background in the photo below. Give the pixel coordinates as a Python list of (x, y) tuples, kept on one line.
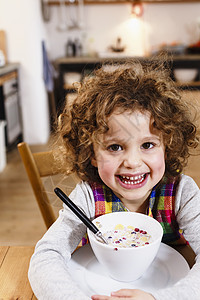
[(161, 25), (101, 25)]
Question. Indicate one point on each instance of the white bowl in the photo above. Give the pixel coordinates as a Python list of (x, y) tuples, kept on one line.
[(126, 264), (185, 75)]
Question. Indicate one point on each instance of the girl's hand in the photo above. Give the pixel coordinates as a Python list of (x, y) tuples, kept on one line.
[(124, 294)]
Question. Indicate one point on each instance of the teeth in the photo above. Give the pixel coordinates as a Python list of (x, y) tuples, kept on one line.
[(133, 179)]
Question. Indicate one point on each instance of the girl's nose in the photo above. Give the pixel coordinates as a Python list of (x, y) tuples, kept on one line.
[(132, 159)]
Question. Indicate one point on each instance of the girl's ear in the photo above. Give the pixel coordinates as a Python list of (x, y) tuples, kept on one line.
[(94, 161)]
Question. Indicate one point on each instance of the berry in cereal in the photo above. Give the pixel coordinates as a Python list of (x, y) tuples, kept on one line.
[(127, 237)]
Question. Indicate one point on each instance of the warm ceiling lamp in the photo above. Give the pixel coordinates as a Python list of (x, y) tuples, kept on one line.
[(137, 8)]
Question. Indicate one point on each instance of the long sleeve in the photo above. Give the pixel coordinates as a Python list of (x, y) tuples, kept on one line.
[(187, 211), (48, 274)]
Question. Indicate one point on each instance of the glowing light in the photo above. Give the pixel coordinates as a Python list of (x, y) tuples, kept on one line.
[(137, 9)]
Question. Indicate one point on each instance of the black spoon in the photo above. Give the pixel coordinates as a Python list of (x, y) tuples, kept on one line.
[(79, 214)]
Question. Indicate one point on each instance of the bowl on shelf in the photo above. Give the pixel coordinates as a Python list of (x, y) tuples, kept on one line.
[(72, 77), (185, 75)]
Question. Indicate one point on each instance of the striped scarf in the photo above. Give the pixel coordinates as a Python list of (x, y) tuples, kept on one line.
[(161, 207)]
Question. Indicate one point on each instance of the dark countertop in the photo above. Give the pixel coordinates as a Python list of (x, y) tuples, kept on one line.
[(96, 59), (88, 59), (9, 68)]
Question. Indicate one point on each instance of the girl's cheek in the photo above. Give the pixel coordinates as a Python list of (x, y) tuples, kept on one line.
[(106, 168), (98, 159), (159, 163)]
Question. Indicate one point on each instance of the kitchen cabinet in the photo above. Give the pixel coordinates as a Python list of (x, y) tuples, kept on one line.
[(187, 62), (86, 65), (73, 65), (10, 109)]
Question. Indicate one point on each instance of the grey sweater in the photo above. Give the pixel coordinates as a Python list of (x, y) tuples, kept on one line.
[(48, 274)]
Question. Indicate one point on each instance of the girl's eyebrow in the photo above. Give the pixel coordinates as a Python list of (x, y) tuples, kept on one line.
[(110, 139), (153, 136), (117, 139)]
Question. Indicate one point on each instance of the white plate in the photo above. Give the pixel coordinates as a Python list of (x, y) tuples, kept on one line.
[(167, 268)]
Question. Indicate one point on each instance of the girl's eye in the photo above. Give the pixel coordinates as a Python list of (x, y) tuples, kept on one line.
[(147, 145), (115, 148)]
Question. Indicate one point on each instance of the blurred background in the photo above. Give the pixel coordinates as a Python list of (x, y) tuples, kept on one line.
[(46, 46)]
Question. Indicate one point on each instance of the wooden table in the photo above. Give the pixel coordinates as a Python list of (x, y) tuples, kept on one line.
[(14, 262)]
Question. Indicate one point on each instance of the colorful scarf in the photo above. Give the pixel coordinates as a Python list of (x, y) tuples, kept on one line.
[(161, 207)]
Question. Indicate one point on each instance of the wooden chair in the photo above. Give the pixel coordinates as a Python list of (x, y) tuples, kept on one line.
[(38, 165)]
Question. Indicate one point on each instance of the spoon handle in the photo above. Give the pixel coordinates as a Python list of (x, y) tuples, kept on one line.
[(76, 210)]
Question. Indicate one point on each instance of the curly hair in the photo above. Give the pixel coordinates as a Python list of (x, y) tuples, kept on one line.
[(144, 85)]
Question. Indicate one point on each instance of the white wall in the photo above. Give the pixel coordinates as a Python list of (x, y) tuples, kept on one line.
[(24, 28), (161, 23), (172, 22)]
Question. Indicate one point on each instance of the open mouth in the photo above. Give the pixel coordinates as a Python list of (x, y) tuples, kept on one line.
[(132, 180)]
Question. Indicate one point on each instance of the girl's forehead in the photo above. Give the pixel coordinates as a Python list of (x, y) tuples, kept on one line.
[(130, 122), (135, 118)]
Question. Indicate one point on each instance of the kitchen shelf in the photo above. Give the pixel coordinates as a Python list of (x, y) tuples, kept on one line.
[(86, 65), (67, 86), (192, 83), (122, 1), (188, 85)]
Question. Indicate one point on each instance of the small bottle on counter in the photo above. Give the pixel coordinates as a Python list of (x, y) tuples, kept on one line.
[(70, 48), (78, 47), (73, 48)]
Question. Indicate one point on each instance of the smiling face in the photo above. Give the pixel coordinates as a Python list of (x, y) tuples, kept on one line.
[(131, 158)]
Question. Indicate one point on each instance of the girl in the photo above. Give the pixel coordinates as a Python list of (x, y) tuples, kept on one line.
[(127, 136)]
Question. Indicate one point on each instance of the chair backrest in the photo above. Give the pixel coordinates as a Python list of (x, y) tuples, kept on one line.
[(38, 165)]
